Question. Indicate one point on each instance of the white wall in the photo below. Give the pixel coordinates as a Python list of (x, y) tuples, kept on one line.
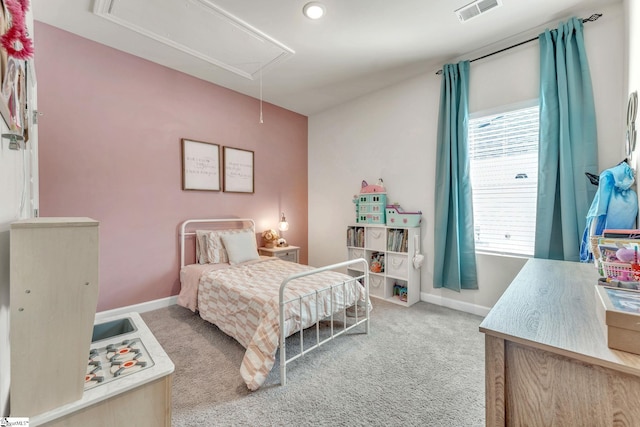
[(632, 58), (392, 134)]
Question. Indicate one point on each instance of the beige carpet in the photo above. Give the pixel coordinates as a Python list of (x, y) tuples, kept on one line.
[(419, 366)]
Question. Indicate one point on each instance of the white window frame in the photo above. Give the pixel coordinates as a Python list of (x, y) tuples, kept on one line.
[(493, 112)]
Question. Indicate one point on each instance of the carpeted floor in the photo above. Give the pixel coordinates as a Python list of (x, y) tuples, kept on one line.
[(419, 366)]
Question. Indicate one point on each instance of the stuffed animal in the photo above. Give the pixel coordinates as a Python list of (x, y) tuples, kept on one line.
[(627, 255), (378, 188), (270, 238), (376, 267)]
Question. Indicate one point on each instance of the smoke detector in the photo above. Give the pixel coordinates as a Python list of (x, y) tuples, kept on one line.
[(476, 8)]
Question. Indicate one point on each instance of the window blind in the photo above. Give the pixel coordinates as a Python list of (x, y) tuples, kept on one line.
[(503, 151)]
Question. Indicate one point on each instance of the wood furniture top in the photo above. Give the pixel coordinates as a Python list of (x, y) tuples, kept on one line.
[(551, 305), (48, 222)]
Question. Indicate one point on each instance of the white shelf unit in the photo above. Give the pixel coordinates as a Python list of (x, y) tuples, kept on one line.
[(365, 240)]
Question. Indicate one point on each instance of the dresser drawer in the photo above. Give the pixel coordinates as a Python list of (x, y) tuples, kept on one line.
[(287, 253), (288, 256)]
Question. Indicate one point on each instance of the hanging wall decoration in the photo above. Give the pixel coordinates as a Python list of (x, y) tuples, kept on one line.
[(238, 170), (632, 111), (200, 165), (16, 39), (17, 48)]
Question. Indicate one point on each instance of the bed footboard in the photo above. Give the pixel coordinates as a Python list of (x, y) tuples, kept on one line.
[(333, 332)]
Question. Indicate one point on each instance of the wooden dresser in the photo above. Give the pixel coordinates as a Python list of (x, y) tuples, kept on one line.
[(546, 357)]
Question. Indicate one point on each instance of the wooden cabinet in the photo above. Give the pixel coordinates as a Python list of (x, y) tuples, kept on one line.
[(389, 252), (53, 298), (286, 253)]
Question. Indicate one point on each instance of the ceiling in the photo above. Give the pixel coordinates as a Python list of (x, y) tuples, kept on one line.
[(306, 66)]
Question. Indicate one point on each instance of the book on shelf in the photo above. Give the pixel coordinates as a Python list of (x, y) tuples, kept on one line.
[(397, 240), (355, 236)]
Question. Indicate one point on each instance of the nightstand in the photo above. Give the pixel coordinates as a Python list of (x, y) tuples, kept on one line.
[(286, 253)]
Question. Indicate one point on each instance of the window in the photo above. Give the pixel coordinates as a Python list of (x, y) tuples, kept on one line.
[(503, 150)]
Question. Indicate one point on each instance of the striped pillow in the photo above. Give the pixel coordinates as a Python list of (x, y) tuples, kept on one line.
[(216, 253), (201, 246)]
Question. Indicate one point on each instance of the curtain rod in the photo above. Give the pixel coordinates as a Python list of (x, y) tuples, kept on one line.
[(592, 18)]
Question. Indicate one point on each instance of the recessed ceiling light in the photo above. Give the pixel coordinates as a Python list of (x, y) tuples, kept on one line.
[(313, 10)]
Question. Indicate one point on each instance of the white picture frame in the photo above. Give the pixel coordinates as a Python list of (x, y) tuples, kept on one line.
[(200, 165), (238, 170)]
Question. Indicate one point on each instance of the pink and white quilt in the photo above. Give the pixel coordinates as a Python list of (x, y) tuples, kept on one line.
[(243, 301)]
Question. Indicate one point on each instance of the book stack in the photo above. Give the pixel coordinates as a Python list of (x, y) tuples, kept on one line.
[(355, 237), (397, 240)]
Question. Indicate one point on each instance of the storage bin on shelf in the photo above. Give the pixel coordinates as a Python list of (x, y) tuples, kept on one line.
[(376, 286), (375, 238), (397, 217), (617, 270), (398, 265)]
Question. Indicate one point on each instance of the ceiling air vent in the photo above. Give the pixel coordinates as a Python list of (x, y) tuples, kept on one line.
[(476, 8)]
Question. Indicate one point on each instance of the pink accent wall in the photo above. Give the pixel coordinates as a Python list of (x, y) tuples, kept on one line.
[(109, 147)]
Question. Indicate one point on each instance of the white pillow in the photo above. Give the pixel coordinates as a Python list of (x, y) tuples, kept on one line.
[(240, 247), (216, 253)]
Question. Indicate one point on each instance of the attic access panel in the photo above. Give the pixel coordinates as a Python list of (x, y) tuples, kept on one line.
[(199, 28)]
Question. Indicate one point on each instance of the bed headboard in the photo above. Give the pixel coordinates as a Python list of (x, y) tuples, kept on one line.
[(188, 227)]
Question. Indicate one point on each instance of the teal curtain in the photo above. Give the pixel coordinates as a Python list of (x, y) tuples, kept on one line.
[(568, 143), (455, 252)]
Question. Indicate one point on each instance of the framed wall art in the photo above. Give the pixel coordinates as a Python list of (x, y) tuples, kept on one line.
[(200, 165), (238, 170)]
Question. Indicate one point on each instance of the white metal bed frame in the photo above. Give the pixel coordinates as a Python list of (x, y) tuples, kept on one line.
[(318, 342)]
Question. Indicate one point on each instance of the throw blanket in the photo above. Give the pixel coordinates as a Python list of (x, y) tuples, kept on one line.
[(243, 301)]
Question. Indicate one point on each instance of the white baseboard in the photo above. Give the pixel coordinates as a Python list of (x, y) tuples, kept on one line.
[(455, 304), (169, 301), (140, 308)]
